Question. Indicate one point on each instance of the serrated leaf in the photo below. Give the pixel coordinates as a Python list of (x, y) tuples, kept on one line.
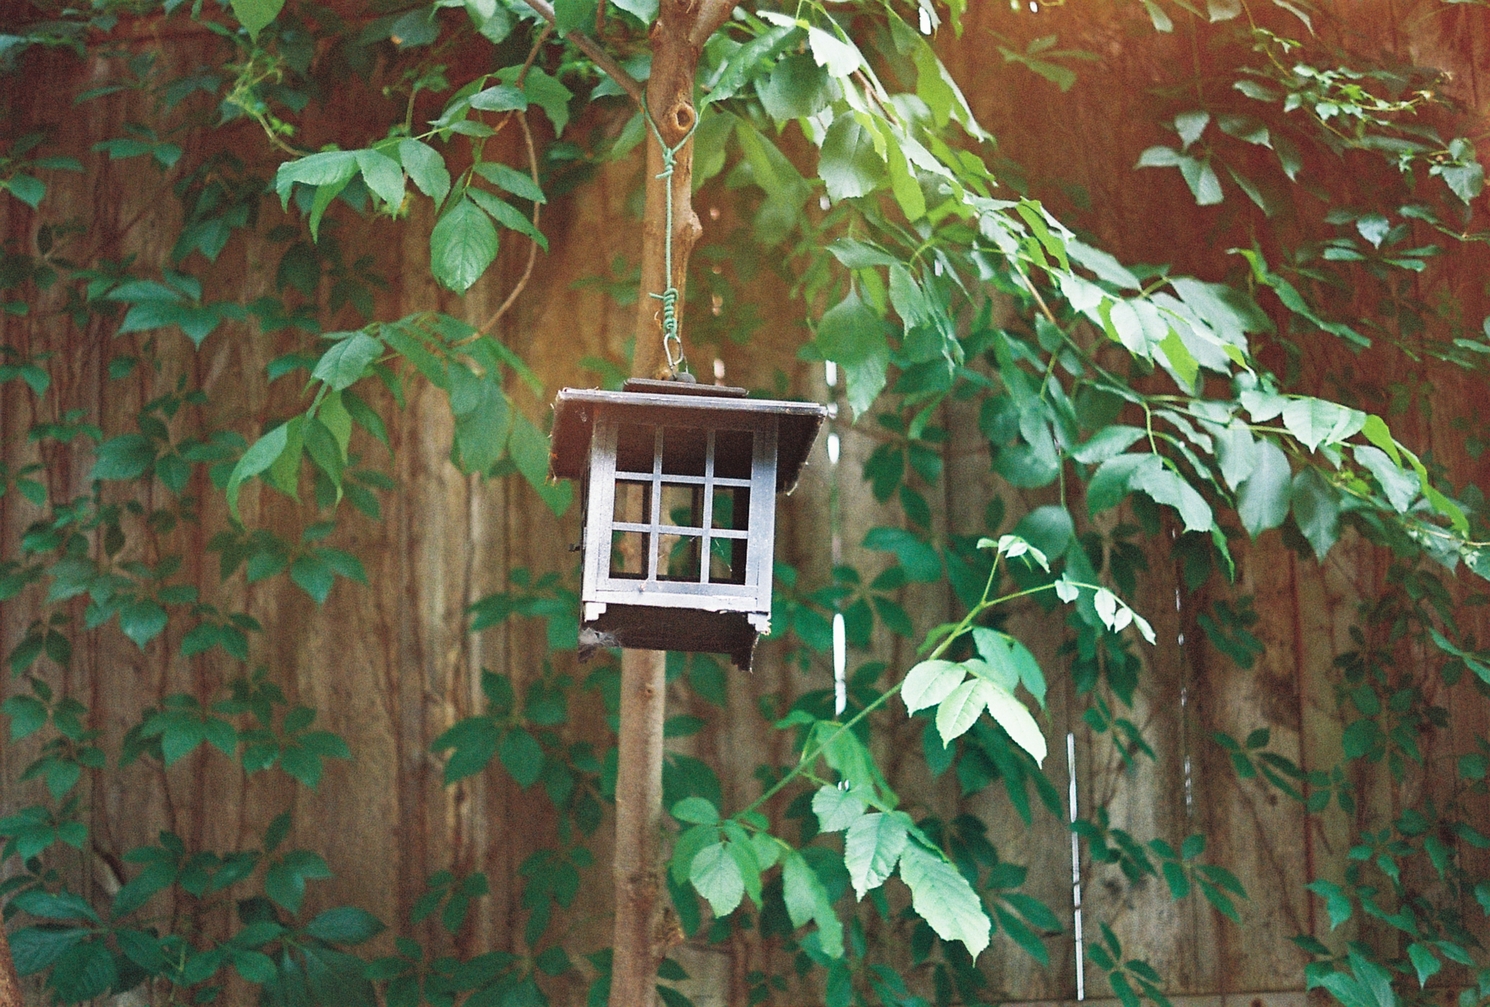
[(1400, 486), (836, 808), (257, 459), (941, 896), (1262, 498), (462, 244), (1316, 510), (962, 707), (872, 848), (849, 165), (716, 876), (1014, 718), (426, 168), (930, 682), (347, 360), (1316, 421)]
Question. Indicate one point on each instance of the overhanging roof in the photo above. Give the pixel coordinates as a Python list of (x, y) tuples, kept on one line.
[(692, 404)]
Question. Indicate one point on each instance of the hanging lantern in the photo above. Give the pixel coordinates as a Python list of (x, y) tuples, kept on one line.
[(679, 486)]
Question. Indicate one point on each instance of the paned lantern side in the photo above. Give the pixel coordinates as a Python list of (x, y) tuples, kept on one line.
[(681, 525), (679, 485)]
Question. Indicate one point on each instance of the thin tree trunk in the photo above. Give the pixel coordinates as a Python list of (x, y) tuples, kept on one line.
[(10, 983), (643, 934)]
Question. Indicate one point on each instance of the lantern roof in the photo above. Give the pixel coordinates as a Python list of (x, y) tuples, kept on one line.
[(678, 403)]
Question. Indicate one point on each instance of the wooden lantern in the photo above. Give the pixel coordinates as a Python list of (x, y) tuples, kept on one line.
[(679, 485)]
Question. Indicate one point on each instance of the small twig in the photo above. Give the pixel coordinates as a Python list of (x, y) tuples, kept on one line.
[(522, 282), (595, 51), (543, 36)]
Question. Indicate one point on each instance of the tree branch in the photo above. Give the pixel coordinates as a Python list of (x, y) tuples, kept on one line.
[(711, 16), (595, 51)]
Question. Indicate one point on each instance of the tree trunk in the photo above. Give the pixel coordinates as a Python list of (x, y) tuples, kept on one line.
[(642, 934), (10, 983)]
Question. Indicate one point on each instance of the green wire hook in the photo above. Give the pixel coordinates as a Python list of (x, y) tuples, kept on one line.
[(671, 341)]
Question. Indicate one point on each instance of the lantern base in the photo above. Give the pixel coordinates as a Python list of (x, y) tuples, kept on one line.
[(638, 627)]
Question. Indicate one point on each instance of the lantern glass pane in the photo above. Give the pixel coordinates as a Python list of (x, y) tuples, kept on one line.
[(682, 505), (683, 451), (731, 507), (633, 502), (628, 555), (636, 443), (733, 453), (727, 560), (678, 559)]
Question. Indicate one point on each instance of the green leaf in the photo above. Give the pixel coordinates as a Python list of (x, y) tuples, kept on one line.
[(1263, 497), (84, 972), (839, 58), (255, 15), (522, 756), (508, 216), (1166, 486), (807, 899), (475, 742), (314, 576), (1190, 125), (1316, 421), (35, 949), (1109, 484), (124, 457), (963, 706), (747, 60), (27, 188), (257, 459), (284, 882), (849, 165), (1316, 509), (347, 360), (382, 176), (512, 180), (644, 11), (930, 683), (1014, 718), (696, 811), (498, 98), (872, 848), (1106, 443), (54, 906), (544, 91), (29, 715), (797, 87), (941, 896), (573, 15), (836, 807), (1400, 486), (716, 876), (920, 561), (1424, 961), (142, 620), (462, 244), (329, 169), (853, 336), (1012, 659), (426, 169), (344, 925)]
